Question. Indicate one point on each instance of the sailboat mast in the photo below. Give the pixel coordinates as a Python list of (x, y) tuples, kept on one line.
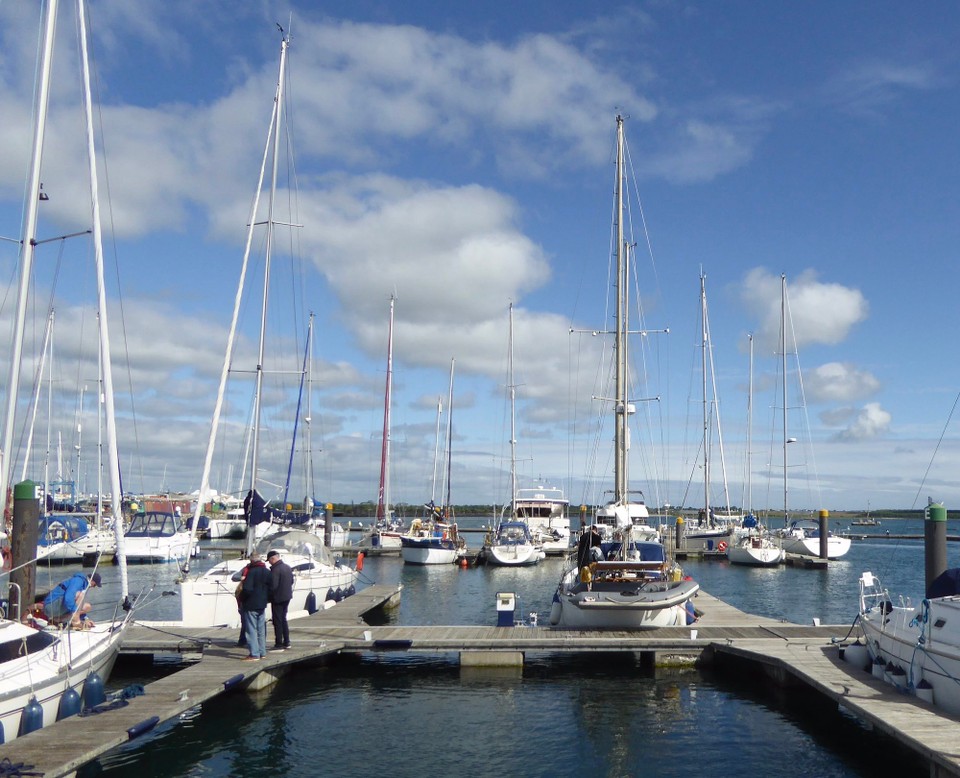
[(309, 417), (783, 370), (27, 248), (268, 249), (706, 415), (238, 299), (436, 453), (513, 425), (113, 458), (620, 341), (383, 502), (750, 431), (446, 502)]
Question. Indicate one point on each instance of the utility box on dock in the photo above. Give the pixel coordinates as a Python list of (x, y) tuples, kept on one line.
[(506, 605)]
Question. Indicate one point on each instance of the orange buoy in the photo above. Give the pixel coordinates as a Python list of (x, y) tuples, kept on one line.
[(464, 562), (722, 546), (360, 556)]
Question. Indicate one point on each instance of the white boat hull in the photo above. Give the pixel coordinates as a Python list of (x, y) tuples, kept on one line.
[(160, 550), (46, 674), (836, 546), (893, 635), (95, 542), (427, 554), (210, 600), (623, 605), (219, 529), (513, 555), (755, 552)]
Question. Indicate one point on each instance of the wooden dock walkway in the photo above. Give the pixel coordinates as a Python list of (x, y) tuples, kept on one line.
[(807, 653)]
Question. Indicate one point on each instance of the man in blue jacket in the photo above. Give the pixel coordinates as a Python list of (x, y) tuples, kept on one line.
[(65, 601), (281, 592), (254, 597)]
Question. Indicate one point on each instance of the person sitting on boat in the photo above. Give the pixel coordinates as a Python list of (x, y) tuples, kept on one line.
[(588, 541), (65, 603)]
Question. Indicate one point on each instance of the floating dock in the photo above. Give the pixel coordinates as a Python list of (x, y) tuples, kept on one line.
[(724, 635)]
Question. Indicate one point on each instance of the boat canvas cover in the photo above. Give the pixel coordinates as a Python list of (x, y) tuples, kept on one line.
[(945, 584)]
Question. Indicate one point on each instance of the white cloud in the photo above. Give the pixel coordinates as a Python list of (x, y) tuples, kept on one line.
[(818, 313), (870, 87), (839, 382), (871, 422)]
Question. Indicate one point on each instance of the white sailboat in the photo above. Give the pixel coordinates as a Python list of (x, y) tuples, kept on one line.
[(636, 589), (754, 547), (512, 544), (800, 536), (434, 539), (43, 668), (209, 600)]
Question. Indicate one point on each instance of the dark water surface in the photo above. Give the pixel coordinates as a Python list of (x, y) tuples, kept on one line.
[(597, 715)]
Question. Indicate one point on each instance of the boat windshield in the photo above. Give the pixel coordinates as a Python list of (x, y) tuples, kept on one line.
[(153, 524), (295, 542)]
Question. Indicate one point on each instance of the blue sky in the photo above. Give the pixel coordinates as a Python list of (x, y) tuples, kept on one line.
[(462, 159)]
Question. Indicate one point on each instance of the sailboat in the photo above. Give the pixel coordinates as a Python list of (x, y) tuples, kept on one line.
[(385, 532), (754, 547), (44, 668), (434, 539), (633, 587), (713, 532), (208, 600), (511, 543), (800, 536)]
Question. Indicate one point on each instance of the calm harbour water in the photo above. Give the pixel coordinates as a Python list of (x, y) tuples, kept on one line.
[(401, 715)]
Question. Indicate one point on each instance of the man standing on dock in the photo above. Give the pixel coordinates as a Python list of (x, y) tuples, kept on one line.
[(281, 592), (253, 604)]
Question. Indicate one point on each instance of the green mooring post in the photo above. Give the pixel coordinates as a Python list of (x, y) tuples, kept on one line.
[(26, 526), (934, 540)]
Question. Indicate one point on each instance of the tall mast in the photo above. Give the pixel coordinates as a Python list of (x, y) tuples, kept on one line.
[(706, 415), (27, 247), (783, 370), (238, 299), (309, 418), (113, 457), (750, 431), (383, 501), (620, 342), (268, 250), (513, 425), (446, 501)]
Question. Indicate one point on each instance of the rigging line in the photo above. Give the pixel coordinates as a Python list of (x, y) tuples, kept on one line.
[(943, 432)]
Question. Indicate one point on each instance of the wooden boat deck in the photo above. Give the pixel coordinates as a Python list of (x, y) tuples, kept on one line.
[(807, 653)]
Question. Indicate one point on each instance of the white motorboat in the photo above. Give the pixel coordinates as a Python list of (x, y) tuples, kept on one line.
[(916, 647), (633, 586), (544, 508), (158, 537)]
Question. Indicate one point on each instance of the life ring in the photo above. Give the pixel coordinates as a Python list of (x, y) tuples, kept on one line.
[(722, 546)]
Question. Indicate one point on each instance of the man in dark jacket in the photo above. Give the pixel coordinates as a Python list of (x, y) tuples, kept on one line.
[(254, 597), (281, 592)]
